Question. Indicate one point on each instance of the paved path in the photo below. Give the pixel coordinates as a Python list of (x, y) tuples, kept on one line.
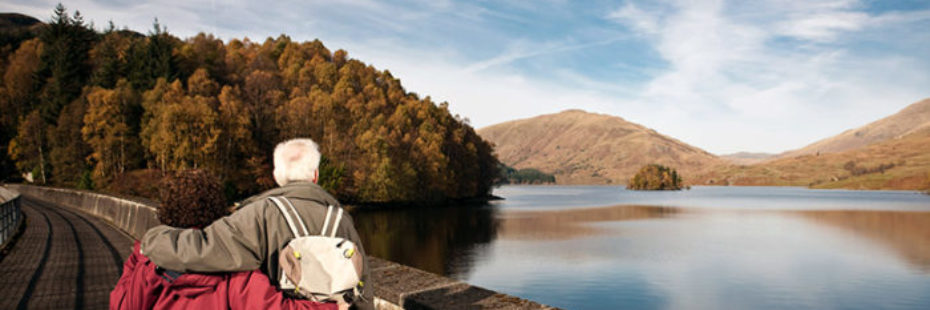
[(63, 260)]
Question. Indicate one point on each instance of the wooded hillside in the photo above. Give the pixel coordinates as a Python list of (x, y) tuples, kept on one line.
[(102, 109)]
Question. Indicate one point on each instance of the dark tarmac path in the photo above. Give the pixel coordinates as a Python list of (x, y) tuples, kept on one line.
[(64, 259)]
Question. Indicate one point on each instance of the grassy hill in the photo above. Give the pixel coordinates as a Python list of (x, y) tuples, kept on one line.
[(587, 148), (899, 163), (747, 158)]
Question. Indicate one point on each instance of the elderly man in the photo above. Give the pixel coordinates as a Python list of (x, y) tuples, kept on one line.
[(252, 237)]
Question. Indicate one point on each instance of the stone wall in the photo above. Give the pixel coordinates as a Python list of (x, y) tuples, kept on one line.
[(396, 286)]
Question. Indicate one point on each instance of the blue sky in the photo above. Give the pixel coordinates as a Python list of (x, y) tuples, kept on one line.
[(726, 76)]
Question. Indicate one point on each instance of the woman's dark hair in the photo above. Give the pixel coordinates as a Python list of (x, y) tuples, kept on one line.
[(191, 198)]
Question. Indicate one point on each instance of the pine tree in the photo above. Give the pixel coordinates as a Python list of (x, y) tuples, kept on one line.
[(153, 59), (64, 65)]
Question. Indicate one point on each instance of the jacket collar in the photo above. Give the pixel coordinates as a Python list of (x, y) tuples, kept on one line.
[(299, 189)]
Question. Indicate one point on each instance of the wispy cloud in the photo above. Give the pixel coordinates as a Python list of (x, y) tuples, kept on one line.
[(732, 71)]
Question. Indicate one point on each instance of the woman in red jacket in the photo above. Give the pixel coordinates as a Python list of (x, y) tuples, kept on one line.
[(194, 199)]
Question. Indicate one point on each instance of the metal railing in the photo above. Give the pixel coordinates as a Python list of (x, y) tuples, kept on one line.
[(11, 216)]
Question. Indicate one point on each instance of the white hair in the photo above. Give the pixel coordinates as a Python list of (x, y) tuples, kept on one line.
[(296, 160)]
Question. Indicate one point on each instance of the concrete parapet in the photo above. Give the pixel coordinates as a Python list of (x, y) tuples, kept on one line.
[(402, 287), (132, 217), (396, 286)]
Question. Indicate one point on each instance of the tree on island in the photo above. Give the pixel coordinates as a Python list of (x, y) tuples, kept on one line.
[(655, 177)]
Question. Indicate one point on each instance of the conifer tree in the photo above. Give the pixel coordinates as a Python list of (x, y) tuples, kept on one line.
[(64, 65)]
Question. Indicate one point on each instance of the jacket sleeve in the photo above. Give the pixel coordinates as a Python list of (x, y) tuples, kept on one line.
[(232, 243), (252, 290)]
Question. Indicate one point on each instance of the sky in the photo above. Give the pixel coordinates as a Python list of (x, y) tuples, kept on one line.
[(725, 76)]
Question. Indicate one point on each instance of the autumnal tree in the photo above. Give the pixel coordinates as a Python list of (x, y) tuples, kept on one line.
[(17, 96), (202, 52), (30, 148), (108, 129), (241, 162), (200, 84), (262, 96), (655, 177), (182, 132), (19, 81), (67, 149)]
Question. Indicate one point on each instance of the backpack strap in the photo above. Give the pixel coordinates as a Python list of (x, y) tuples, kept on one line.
[(329, 212), (299, 219), (329, 215), (287, 216), (336, 223)]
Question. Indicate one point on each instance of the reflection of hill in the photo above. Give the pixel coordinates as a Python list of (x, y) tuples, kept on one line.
[(568, 224), (908, 233), (438, 240)]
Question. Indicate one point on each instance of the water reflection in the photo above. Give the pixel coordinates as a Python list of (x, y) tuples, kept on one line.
[(906, 233), (719, 259), (708, 248), (445, 241), (573, 223)]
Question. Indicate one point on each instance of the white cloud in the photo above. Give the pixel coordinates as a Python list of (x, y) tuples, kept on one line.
[(727, 88), (636, 18), (822, 26)]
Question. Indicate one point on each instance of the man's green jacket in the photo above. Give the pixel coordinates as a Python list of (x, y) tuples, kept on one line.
[(251, 237)]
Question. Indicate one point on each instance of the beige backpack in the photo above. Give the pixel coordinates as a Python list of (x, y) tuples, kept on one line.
[(321, 268)]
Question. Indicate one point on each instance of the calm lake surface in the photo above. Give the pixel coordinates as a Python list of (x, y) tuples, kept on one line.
[(603, 247)]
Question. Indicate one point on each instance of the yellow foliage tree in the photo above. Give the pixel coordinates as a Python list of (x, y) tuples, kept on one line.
[(107, 129)]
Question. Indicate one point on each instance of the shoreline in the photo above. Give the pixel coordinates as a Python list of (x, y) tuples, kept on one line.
[(918, 191)]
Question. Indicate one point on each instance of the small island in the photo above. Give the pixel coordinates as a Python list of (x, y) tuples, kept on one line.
[(655, 177)]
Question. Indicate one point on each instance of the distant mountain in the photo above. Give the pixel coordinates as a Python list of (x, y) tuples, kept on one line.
[(16, 28), (747, 158), (909, 120), (10, 21), (891, 153), (900, 163), (587, 148)]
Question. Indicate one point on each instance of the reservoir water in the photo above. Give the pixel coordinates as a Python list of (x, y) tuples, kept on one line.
[(603, 247)]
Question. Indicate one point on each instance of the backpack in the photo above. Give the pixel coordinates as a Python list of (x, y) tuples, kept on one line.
[(321, 268)]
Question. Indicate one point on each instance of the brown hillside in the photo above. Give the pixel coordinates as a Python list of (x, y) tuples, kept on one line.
[(746, 158), (855, 169), (586, 148), (911, 119)]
